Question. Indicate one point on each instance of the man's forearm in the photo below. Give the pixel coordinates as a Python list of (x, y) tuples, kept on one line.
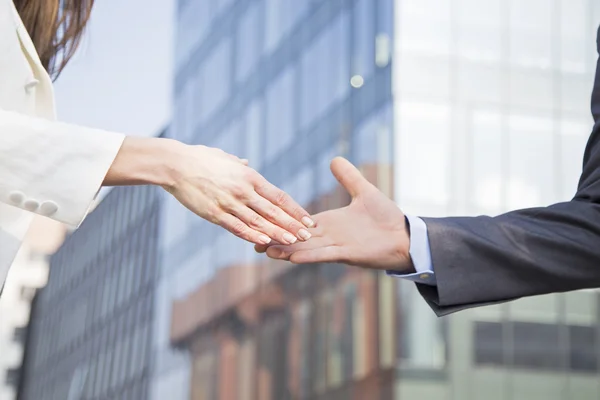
[(482, 260)]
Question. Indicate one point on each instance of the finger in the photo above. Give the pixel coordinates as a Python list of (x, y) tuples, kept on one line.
[(349, 177), (262, 248), (280, 218), (283, 200), (283, 252), (316, 232), (329, 254), (241, 230), (279, 252), (259, 223)]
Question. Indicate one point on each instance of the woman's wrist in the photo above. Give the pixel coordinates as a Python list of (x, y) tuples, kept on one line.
[(145, 161)]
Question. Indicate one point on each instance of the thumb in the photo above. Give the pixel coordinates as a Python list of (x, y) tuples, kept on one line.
[(349, 177)]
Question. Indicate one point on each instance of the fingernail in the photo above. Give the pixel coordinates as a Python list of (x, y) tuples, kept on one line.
[(264, 239), (309, 223), (304, 234), (290, 239)]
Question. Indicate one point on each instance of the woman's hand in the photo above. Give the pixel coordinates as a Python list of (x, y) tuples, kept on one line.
[(217, 186), (222, 189)]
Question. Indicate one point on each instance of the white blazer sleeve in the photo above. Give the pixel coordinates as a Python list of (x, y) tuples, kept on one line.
[(52, 168)]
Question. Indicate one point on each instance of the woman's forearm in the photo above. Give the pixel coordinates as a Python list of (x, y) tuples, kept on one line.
[(144, 161)]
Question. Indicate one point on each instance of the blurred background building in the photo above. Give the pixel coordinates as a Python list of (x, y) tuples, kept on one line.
[(451, 106), (28, 273), (91, 326)]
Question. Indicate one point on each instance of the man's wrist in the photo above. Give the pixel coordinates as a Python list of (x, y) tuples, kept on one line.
[(405, 263)]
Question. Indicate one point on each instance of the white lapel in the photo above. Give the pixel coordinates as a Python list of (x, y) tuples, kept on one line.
[(45, 102), (26, 41)]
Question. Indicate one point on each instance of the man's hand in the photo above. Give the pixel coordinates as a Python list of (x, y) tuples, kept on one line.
[(371, 232)]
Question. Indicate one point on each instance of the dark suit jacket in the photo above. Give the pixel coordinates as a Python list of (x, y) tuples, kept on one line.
[(485, 260)]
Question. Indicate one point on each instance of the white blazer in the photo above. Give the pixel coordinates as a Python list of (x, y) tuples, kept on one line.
[(46, 167)]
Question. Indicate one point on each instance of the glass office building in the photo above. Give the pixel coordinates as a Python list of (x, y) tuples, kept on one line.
[(454, 107), (287, 84), (91, 326), (491, 113)]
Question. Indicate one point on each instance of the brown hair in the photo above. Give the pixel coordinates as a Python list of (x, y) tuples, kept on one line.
[(55, 27)]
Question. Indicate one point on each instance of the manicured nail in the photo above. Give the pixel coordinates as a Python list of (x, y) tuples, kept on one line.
[(304, 234), (288, 238), (309, 223), (264, 239)]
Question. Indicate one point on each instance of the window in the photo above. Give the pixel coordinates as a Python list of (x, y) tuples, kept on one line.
[(336, 65), (253, 132), (531, 38), (372, 140), (324, 73), (326, 182), (203, 382), (531, 162), (320, 343), (192, 27), (221, 5), (184, 111), (248, 41), (117, 370), (215, 83), (301, 186), (99, 386), (363, 45), (425, 26), (12, 377), (572, 140), (348, 335), (246, 371), (280, 124), (305, 312), (385, 19), (422, 345), (489, 343), (536, 346), (583, 349), (281, 17), (423, 142), (20, 334), (486, 162), (273, 24), (480, 30)]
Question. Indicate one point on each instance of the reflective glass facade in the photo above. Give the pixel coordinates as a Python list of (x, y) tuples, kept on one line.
[(453, 107), (91, 325), (491, 113), (270, 80)]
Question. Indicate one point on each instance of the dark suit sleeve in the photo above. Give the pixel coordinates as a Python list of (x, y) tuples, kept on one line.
[(484, 260)]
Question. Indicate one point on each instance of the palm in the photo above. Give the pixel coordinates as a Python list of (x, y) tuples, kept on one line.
[(370, 232)]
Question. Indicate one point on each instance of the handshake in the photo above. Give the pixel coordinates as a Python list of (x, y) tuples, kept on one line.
[(371, 232)]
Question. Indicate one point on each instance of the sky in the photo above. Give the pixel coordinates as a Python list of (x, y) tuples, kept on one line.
[(121, 77)]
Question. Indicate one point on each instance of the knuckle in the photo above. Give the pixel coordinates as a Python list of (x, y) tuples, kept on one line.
[(272, 213), (262, 187), (212, 214), (227, 203), (293, 226), (250, 175), (256, 220), (238, 190), (281, 198), (238, 228)]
